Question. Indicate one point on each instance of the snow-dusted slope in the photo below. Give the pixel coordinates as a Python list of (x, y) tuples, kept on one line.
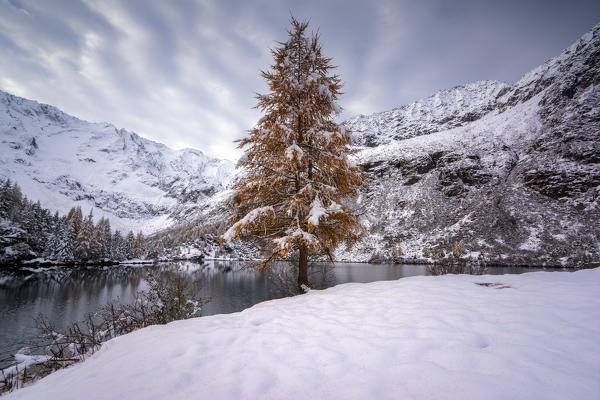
[(514, 171), (63, 161), (444, 110)]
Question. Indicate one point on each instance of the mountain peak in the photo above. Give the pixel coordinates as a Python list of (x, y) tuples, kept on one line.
[(443, 110), (135, 182), (462, 104)]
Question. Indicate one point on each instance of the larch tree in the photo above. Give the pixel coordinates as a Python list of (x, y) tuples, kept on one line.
[(84, 242), (297, 180), (104, 237), (76, 217), (139, 245)]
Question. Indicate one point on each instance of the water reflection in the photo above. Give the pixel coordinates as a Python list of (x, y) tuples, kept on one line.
[(67, 295)]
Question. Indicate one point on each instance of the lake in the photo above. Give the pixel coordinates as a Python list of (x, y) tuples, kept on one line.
[(66, 295)]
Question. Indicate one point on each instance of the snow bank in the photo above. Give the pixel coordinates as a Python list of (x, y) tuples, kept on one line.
[(530, 336)]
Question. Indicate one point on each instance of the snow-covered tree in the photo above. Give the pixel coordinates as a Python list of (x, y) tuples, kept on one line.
[(297, 180), (65, 239), (117, 246), (128, 245), (103, 237), (75, 215), (16, 203), (85, 241), (61, 242), (5, 198), (139, 246)]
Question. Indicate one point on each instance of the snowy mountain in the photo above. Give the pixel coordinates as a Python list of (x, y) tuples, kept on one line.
[(137, 183), (512, 171), (444, 110)]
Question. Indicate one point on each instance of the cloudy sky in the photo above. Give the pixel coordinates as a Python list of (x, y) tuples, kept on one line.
[(185, 72)]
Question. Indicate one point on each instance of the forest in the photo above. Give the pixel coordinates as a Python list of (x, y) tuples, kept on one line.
[(29, 231)]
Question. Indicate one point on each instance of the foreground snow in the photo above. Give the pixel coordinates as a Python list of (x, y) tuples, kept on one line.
[(520, 337)]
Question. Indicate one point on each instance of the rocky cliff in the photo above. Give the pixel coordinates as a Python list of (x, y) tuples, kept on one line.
[(512, 171)]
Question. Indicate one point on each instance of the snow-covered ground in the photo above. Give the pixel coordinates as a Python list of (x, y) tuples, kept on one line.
[(530, 336)]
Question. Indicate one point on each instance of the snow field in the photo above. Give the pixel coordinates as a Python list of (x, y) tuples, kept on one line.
[(529, 336)]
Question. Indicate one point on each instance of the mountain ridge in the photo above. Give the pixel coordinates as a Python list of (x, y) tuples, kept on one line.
[(65, 161), (518, 183)]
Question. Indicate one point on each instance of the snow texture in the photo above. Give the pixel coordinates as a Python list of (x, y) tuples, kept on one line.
[(294, 152), (529, 336), (248, 219), (316, 211)]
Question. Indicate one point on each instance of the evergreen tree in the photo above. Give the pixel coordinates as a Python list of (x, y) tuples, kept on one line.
[(104, 238), (129, 241), (117, 246), (84, 242), (16, 203), (65, 239), (51, 245), (56, 219), (66, 246), (297, 177), (5, 198), (36, 222), (61, 242)]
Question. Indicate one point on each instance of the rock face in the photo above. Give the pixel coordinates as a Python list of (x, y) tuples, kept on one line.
[(137, 183), (512, 171), (446, 109)]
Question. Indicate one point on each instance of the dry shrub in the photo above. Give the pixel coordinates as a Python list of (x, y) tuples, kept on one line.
[(168, 299), (456, 261)]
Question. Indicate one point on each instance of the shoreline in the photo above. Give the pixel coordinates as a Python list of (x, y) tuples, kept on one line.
[(48, 264)]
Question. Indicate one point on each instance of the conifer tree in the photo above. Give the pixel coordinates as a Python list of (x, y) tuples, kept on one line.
[(139, 246), (104, 238), (75, 215), (128, 245), (297, 180), (5, 198), (117, 246), (84, 243), (52, 245), (17, 203), (66, 247), (61, 242)]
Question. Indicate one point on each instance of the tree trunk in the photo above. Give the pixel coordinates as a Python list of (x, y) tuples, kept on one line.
[(303, 267)]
